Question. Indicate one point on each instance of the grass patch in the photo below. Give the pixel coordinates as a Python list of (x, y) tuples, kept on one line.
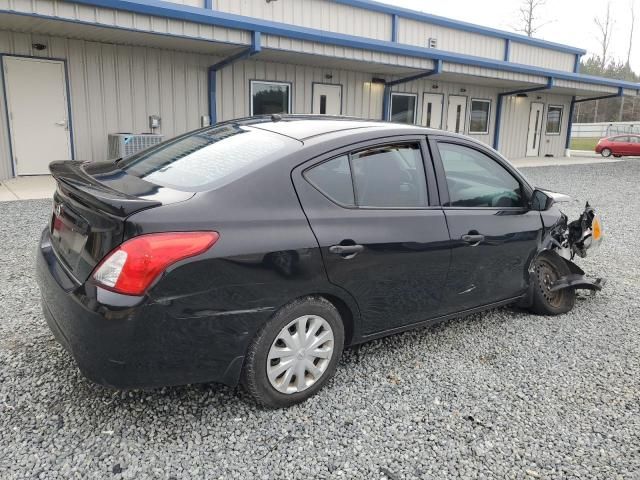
[(586, 143)]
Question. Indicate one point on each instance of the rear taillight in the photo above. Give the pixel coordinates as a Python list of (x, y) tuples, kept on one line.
[(133, 266)]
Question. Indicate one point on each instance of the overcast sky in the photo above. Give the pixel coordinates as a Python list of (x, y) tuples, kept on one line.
[(571, 21)]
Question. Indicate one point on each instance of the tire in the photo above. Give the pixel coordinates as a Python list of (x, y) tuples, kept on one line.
[(606, 152), (273, 386), (548, 268)]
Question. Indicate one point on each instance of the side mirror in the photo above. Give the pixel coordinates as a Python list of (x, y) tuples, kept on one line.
[(542, 200)]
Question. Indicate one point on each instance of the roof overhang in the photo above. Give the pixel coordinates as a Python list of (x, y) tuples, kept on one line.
[(423, 58)]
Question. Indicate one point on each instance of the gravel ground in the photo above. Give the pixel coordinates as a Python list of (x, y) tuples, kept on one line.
[(503, 394)]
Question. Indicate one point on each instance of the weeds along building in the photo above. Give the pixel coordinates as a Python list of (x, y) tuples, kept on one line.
[(75, 71)]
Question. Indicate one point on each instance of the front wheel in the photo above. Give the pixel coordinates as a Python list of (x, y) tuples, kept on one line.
[(549, 268), (606, 152), (295, 353)]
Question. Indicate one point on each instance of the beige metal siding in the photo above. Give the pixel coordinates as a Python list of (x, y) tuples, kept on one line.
[(417, 33), (319, 14), (333, 51), (128, 20), (596, 89), (515, 125), (360, 97), (191, 3), (115, 88), (542, 57)]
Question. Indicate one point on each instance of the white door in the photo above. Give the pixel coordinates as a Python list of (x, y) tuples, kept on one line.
[(38, 113), (327, 99), (432, 110), (535, 129), (456, 113)]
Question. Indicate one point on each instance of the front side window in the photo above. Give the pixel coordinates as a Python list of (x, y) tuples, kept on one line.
[(403, 107), (479, 120), (389, 176), (554, 120), (476, 180), (270, 97)]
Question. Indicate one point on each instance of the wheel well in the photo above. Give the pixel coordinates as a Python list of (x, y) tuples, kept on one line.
[(345, 314)]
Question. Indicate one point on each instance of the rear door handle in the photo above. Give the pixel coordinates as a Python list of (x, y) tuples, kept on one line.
[(473, 239), (347, 251)]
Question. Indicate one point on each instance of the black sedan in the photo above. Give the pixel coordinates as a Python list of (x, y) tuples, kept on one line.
[(257, 249)]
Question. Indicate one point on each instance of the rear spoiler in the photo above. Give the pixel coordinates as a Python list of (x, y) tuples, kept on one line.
[(73, 181)]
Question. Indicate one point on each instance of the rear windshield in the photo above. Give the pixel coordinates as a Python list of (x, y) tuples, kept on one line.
[(208, 158)]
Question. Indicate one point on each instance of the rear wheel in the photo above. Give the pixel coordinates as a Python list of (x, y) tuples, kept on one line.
[(295, 353), (548, 269), (606, 152)]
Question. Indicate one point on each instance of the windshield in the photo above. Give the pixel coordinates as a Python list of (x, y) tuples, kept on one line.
[(207, 158)]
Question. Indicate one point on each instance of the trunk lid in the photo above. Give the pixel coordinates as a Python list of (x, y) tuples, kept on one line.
[(90, 206)]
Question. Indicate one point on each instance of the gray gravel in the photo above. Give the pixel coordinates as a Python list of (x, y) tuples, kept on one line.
[(504, 394)]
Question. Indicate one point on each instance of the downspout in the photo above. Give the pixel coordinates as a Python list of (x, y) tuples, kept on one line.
[(256, 47), (386, 99), (496, 133)]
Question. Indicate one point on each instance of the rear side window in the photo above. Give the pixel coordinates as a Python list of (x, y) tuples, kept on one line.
[(390, 176), (207, 158), (620, 139), (333, 178), (477, 180)]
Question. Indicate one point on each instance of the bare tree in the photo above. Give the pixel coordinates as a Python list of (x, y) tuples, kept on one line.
[(529, 17), (605, 31), (632, 14)]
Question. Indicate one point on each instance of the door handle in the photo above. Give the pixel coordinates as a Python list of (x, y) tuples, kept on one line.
[(346, 251), (61, 123), (473, 239)]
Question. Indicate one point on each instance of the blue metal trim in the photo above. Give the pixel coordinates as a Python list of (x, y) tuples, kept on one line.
[(572, 108), (6, 104), (394, 27), (496, 132), (208, 4), (576, 65), (256, 47), (386, 98), (602, 97), (214, 17), (436, 71), (507, 49), (457, 24)]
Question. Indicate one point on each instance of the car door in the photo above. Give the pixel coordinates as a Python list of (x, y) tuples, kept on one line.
[(382, 235), (494, 236), (620, 145), (634, 145)]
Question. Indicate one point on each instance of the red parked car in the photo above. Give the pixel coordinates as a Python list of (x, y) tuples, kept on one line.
[(619, 145)]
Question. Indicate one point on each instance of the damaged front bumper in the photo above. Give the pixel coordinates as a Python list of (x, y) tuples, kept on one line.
[(571, 239)]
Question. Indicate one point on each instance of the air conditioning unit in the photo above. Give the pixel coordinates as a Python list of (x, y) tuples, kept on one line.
[(124, 144), (433, 42)]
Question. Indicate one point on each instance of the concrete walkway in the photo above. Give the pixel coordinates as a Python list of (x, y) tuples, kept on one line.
[(27, 188)]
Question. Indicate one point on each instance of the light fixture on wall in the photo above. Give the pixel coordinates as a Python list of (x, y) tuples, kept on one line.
[(522, 95), (378, 80), (462, 90), (435, 86), (328, 76), (39, 46)]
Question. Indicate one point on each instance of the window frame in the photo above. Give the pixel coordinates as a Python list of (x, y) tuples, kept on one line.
[(271, 82), (546, 122), (482, 100), (441, 177), (430, 183), (404, 94)]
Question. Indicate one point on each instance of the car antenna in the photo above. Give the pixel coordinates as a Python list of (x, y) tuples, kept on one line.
[(275, 117)]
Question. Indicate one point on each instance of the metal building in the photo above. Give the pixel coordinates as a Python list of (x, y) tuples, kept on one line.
[(74, 71)]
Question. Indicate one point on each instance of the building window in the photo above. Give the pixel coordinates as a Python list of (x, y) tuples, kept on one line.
[(270, 97), (403, 107), (554, 119), (479, 121)]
